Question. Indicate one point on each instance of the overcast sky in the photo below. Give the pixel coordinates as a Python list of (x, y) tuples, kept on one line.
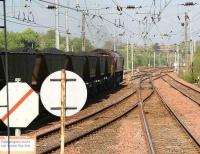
[(168, 30)]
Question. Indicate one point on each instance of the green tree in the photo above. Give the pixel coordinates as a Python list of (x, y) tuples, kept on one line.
[(77, 44), (156, 47), (29, 38), (47, 40), (196, 63), (13, 40), (108, 45)]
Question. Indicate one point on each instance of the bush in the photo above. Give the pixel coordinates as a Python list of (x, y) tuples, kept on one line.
[(188, 77)]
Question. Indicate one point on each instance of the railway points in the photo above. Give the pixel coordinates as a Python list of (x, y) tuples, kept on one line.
[(92, 120)]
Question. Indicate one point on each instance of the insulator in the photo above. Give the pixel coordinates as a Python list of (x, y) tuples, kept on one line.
[(51, 7), (189, 3), (119, 8), (130, 7)]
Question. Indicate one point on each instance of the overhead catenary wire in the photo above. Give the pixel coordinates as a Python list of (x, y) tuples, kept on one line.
[(103, 14), (81, 10)]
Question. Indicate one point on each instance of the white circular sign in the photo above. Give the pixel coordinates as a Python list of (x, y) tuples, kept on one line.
[(76, 93), (23, 104)]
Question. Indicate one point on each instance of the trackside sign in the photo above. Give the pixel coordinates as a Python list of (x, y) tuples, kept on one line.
[(18, 145), (23, 105)]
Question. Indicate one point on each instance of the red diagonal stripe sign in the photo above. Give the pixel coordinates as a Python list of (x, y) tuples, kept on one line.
[(17, 105)]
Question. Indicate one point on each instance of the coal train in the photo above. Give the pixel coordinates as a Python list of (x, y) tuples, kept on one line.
[(100, 69)]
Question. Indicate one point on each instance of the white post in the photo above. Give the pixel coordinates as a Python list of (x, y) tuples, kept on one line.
[(114, 43), (194, 46), (191, 51), (167, 58), (159, 59), (77, 3), (57, 25), (132, 58), (148, 51), (154, 59), (127, 56), (17, 132), (72, 48), (67, 31), (178, 63), (175, 63)]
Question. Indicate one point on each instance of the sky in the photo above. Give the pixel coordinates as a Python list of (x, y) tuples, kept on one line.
[(103, 17)]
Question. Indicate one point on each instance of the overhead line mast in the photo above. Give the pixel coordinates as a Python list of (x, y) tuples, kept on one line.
[(67, 31), (57, 25), (83, 32), (7, 106), (188, 39)]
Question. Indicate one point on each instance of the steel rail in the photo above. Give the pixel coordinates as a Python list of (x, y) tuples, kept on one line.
[(187, 95), (97, 128), (90, 132), (162, 71), (84, 117), (55, 147), (195, 139), (144, 121), (198, 91), (146, 129), (88, 116)]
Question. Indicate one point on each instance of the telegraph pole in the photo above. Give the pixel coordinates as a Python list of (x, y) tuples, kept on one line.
[(57, 25), (83, 32), (67, 31), (63, 112)]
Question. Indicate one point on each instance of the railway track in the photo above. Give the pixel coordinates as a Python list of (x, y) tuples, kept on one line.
[(130, 110), (103, 115), (144, 122), (145, 74), (82, 118), (186, 90), (184, 109), (47, 123), (164, 133), (88, 126), (179, 120), (152, 108)]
